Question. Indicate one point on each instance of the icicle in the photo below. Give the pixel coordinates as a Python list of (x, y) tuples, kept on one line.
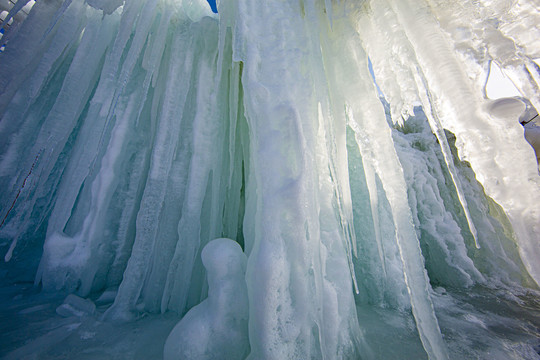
[(372, 188), (525, 82), (413, 263), (502, 169), (57, 16), (328, 10), (9, 253), (367, 110), (438, 130), (344, 210), (165, 143)]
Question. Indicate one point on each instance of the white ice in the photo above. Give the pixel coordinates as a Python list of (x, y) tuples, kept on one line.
[(217, 328)]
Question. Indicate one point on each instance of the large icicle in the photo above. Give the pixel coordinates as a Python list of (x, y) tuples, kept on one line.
[(438, 130), (494, 148), (376, 147), (403, 84), (298, 248)]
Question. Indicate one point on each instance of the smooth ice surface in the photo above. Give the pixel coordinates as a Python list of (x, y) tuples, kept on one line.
[(354, 220)]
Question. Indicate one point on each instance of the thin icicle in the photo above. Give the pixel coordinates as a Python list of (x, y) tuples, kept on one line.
[(9, 253), (438, 130), (344, 210), (372, 189)]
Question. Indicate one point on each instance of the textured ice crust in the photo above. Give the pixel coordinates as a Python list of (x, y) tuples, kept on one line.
[(353, 221)]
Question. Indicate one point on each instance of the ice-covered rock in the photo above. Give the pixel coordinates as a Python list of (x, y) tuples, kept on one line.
[(76, 306)]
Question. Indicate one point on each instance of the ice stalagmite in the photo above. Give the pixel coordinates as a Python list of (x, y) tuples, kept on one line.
[(368, 199), (217, 327)]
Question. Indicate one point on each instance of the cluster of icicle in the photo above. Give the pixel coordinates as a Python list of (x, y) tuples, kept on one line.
[(136, 132)]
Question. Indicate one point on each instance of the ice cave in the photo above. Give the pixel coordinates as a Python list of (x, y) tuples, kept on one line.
[(280, 179)]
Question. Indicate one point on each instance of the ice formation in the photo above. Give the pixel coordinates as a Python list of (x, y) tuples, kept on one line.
[(391, 219), (217, 328)]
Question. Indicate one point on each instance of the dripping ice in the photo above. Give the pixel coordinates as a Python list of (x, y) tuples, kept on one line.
[(177, 183)]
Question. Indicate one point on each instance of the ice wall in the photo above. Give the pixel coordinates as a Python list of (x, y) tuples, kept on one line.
[(134, 133)]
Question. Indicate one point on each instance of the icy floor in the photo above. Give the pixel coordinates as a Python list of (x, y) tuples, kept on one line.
[(490, 324), (475, 325), (31, 329)]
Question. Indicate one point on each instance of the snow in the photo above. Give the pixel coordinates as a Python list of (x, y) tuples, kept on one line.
[(280, 180)]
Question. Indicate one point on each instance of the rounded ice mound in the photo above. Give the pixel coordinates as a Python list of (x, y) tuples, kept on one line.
[(506, 108), (517, 109), (217, 328)]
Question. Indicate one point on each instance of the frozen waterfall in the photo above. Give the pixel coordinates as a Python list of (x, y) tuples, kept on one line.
[(371, 198)]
